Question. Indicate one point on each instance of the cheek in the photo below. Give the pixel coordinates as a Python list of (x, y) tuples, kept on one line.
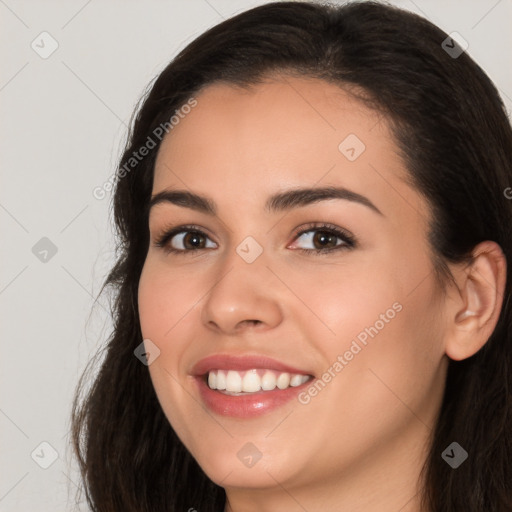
[(165, 299), (166, 303), (384, 322), (341, 301)]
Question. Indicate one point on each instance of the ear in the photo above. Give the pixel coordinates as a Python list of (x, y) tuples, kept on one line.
[(474, 313)]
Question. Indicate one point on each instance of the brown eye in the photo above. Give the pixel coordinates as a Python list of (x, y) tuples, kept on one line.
[(193, 240), (183, 240), (324, 239)]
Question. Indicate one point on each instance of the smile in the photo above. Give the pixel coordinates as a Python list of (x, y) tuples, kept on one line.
[(246, 386), (235, 382)]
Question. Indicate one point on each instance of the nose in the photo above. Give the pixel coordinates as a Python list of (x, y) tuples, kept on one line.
[(245, 297)]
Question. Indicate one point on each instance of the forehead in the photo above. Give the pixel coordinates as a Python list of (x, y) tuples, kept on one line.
[(273, 118), (279, 134)]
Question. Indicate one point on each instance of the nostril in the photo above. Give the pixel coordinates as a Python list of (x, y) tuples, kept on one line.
[(249, 322)]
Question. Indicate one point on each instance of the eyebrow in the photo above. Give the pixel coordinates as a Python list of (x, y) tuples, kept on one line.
[(279, 202)]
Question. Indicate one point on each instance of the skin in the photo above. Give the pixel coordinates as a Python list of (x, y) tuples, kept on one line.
[(360, 443)]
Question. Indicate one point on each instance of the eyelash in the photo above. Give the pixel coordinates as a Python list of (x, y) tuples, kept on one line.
[(349, 241)]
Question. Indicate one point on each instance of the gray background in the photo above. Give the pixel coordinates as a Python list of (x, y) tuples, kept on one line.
[(63, 123)]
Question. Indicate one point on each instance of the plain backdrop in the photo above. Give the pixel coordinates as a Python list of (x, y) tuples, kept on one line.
[(63, 123)]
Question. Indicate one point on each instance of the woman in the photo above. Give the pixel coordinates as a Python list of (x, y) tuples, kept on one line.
[(312, 307)]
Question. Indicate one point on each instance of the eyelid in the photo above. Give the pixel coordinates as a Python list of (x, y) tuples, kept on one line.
[(325, 226)]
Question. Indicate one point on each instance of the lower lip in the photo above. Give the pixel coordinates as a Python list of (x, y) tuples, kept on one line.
[(249, 405)]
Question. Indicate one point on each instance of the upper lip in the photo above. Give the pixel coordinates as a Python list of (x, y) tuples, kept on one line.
[(241, 363)]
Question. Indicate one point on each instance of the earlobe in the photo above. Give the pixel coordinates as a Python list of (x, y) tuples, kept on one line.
[(475, 315)]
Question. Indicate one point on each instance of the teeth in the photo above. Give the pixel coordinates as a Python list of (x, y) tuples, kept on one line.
[(283, 381), (233, 382), (252, 381), (268, 381), (212, 380), (296, 380), (221, 380)]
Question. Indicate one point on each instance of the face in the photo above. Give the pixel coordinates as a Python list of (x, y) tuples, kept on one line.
[(317, 312)]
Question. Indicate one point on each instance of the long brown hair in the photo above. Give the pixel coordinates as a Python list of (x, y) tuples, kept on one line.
[(453, 133)]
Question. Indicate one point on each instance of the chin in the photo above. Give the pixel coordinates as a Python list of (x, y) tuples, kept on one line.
[(226, 472), (240, 462)]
